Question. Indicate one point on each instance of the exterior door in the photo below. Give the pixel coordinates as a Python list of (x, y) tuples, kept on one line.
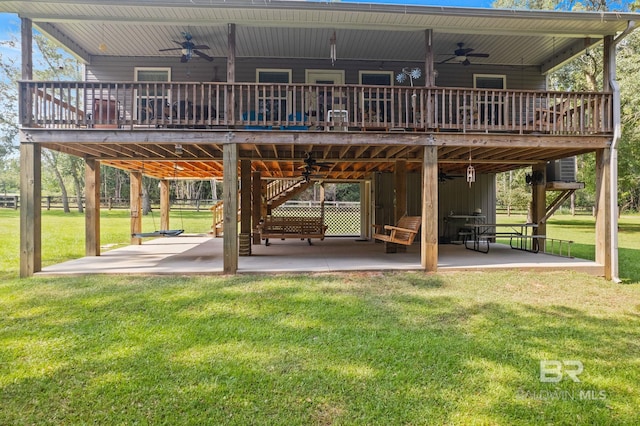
[(324, 98)]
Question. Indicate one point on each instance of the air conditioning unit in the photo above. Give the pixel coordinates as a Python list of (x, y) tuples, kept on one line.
[(562, 170)]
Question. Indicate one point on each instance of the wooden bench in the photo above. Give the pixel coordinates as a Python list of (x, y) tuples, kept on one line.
[(292, 227), (404, 232)]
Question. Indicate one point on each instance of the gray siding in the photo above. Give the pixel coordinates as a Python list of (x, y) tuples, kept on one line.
[(449, 75), (453, 196)]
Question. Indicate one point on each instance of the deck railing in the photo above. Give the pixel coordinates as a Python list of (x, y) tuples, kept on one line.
[(255, 106)]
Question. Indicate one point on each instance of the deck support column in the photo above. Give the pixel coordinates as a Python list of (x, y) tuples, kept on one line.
[(135, 203), (92, 210), (400, 200), (230, 208), (604, 213), (245, 208), (365, 210), (30, 214), (539, 201), (256, 189), (429, 235), (164, 204), (30, 172)]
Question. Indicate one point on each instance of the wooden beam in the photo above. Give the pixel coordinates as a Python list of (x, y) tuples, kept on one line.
[(256, 185), (135, 202), (429, 235), (539, 201), (230, 209), (26, 35), (164, 204), (318, 139), (245, 207), (603, 211), (30, 210), (400, 181), (429, 74), (92, 207)]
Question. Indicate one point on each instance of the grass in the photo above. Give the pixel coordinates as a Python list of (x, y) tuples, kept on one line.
[(360, 348)]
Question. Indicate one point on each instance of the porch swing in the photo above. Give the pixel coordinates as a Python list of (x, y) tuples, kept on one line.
[(162, 232)]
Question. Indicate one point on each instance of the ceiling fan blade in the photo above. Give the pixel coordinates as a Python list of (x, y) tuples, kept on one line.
[(167, 50), (201, 46), (463, 52), (478, 55), (447, 60), (203, 55)]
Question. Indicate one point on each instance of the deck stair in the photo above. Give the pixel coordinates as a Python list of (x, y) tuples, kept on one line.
[(281, 190), (277, 192)]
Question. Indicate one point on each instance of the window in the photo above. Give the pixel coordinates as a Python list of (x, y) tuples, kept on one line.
[(489, 81), (376, 78), (153, 99), (376, 102), (489, 103), (272, 101)]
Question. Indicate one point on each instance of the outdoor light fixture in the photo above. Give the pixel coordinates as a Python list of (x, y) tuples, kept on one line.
[(179, 150)]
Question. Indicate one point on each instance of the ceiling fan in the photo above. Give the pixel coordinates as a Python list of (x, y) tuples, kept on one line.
[(311, 166), (461, 55), (188, 48), (443, 177)]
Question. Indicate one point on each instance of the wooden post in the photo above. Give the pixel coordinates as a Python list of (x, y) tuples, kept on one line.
[(400, 199), (245, 208), (365, 210), (30, 214), (230, 208), (429, 74), (164, 205), (92, 211), (135, 201), (231, 70), (539, 201), (256, 185), (429, 234), (603, 211)]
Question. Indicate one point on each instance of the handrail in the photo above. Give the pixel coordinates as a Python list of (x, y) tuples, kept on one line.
[(262, 106)]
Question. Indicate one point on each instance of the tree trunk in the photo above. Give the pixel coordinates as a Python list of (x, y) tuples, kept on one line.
[(146, 202), (79, 192), (51, 159)]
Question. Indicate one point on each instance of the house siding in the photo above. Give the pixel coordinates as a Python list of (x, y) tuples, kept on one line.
[(454, 195), (449, 75)]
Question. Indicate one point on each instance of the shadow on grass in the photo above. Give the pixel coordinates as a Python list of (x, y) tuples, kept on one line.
[(301, 350)]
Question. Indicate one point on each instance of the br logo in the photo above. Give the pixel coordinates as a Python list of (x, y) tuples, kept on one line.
[(552, 371)]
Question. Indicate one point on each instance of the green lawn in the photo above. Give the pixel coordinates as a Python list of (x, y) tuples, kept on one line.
[(359, 348)]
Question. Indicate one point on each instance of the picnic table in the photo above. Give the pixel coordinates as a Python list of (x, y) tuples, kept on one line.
[(521, 236)]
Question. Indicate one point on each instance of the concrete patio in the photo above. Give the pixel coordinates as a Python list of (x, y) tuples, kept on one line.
[(203, 255)]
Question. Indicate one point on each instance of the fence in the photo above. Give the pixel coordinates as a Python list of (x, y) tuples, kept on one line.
[(341, 217), (55, 202)]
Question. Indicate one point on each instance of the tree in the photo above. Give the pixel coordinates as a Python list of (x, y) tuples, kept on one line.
[(585, 74), (55, 64), (9, 75)]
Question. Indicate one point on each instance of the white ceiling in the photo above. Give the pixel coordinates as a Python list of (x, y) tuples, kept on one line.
[(288, 29)]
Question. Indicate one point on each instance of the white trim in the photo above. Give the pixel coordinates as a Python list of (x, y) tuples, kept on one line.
[(274, 70), (490, 76), (137, 69), (331, 75), (377, 72)]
